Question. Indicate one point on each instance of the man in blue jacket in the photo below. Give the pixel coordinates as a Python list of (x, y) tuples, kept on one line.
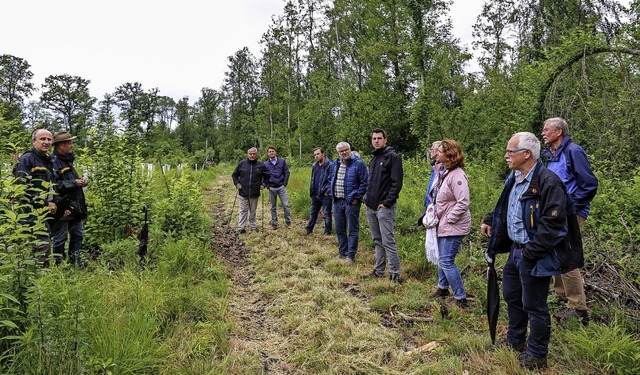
[(569, 161), (348, 184), (534, 221), (320, 191), (279, 171), (383, 191)]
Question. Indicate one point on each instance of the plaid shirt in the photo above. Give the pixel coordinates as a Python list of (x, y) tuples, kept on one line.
[(339, 193)]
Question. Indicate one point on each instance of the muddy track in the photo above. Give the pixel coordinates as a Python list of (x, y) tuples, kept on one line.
[(254, 338)]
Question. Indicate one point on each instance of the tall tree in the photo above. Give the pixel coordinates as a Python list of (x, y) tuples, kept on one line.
[(69, 97), (15, 84)]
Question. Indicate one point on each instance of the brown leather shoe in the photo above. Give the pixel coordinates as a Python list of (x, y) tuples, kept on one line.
[(567, 314)]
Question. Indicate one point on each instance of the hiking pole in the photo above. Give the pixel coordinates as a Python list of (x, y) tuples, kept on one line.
[(262, 195), (233, 206)]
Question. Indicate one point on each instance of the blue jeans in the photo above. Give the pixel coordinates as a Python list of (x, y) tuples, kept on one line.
[(347, 218), (448, 273), (75, 231), (274, 193), (526, 298), (381, 223), (316, 203)]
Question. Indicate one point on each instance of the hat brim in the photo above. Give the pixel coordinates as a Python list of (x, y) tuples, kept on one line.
[(64, 140)]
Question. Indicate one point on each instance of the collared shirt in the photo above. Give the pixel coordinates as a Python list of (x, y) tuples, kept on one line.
[(515, 225), (339, 193), (274, 160)]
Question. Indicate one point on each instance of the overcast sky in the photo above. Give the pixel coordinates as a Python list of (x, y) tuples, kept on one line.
[(177, 46)]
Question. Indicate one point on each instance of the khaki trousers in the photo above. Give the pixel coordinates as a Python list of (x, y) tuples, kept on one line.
[(570, 286)]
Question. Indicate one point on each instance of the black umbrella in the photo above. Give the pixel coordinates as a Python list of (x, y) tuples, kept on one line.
[(143, 237), (493, 298)]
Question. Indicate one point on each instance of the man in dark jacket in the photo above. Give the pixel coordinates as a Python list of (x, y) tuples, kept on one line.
[(69, 185), (570, 162), (278, 180), (348, 184), (35, 171), (320, 191), (249, 177), (534, 221), (383, 190)]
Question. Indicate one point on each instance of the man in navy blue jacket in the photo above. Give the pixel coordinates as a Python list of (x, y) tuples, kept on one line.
[(535, 222), (320, 191), (348, 184), (569, 161), (278, 181)]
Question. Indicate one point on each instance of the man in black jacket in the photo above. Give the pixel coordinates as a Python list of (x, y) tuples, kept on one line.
[(69, 185), (535, 222), (34, 170), (383, 190), (249, 177)]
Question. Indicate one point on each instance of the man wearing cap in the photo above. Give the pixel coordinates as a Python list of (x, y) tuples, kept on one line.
[(68, 186), (35, 171)]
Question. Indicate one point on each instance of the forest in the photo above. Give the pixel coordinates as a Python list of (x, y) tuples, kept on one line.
[(329, 71)]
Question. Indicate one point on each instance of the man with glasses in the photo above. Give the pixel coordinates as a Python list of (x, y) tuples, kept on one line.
[(534, 221), (348, 184), (569, 161)]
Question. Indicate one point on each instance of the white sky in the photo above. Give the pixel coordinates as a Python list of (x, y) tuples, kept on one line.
[(177, 46)]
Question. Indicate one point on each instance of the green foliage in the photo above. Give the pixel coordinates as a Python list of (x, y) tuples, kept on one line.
[(181, 211), (611, 348), (116, 191)]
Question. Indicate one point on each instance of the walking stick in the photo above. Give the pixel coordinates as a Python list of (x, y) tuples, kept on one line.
[(233, 206), (262, 195)]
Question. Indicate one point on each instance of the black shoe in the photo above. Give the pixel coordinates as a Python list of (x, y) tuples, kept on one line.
[(395, 278), (461, 303), (532, 362), (240, 231), (440, 293), (308, 231), (372, 275)]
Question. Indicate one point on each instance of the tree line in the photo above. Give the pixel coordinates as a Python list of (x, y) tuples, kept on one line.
[(332, 70)]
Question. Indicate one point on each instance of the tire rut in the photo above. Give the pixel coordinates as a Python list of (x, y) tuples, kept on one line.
[(254, 338)]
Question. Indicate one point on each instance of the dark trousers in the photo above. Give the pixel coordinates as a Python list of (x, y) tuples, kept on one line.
[(75, 231), (347, 219), (317, 203), (526, 298)]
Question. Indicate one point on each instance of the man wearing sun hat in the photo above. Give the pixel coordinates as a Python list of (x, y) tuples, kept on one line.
[(69, 186)]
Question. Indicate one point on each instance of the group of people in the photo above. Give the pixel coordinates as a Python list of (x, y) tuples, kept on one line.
[(537, 219), (52, 181)]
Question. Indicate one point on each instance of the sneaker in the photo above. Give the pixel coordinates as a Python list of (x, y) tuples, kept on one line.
[(567, 314), (532, 362), (274, 226), (440, 293), (372, 275), (395, 278), (340, 256), (520, 348), (350, 260), (461, 303)]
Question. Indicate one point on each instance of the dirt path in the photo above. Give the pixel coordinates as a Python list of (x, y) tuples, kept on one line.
[(254, 339)]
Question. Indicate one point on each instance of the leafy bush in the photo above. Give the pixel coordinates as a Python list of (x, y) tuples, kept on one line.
[(182, 211)]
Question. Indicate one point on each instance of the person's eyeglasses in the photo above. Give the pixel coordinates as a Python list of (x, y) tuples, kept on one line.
[(509, 152), (547, 130), (345, 150)]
